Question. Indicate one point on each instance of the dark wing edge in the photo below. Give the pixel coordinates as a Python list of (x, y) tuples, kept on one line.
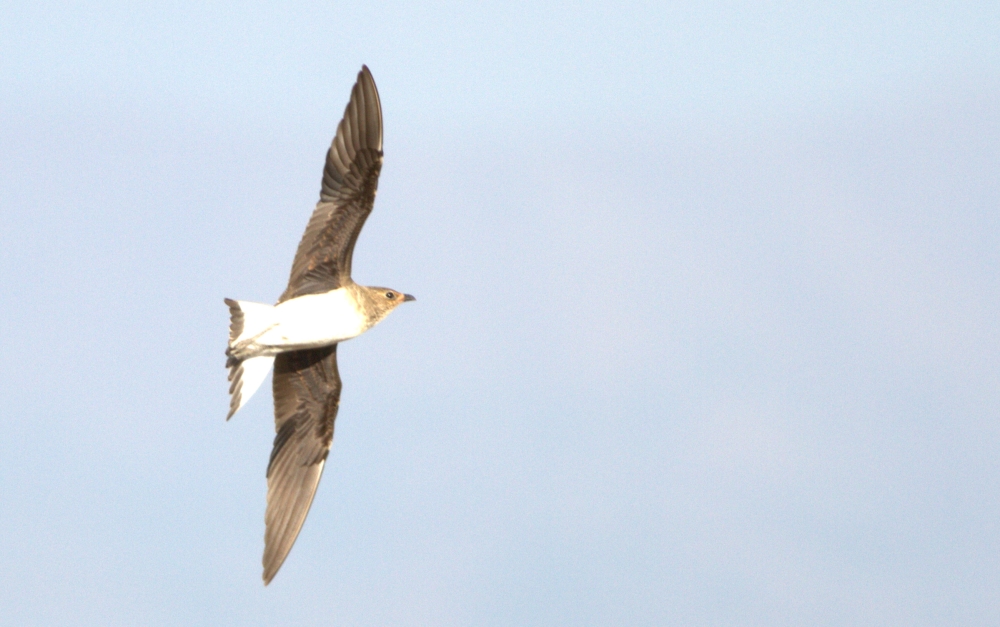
[(347, 194), (306, 398)]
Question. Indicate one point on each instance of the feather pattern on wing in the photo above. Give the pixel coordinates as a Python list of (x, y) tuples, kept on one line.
[(306, 398), (350, 180)]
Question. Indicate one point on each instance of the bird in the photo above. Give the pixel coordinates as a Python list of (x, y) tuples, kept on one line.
[(321, 307)]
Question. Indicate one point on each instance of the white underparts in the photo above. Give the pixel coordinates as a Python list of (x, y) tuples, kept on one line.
[(305, 322)]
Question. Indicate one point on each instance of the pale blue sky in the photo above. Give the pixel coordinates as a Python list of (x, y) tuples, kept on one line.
[(707, 329)]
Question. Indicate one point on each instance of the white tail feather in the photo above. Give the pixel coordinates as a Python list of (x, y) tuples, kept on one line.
[(246, 377), (254, 318)]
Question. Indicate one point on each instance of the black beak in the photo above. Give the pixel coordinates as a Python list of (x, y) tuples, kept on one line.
[(407, 297)]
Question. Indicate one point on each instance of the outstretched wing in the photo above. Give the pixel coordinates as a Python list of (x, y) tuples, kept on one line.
[(350, 179), (306, 398)]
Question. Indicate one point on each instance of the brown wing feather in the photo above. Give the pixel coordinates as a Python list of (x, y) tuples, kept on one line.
[(306, 398), (350, 180)]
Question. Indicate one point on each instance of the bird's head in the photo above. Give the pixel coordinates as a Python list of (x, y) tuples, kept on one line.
[(384, 300)]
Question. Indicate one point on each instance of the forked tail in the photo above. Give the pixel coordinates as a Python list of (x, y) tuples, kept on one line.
[(246, 320)]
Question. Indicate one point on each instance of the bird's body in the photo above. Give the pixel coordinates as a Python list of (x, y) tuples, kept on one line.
[(298, 336), (309, 321)]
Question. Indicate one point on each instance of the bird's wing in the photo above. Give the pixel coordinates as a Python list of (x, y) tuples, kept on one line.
[(350, 178), (306, 398)]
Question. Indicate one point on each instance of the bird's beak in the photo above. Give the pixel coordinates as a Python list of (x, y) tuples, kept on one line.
[(407, 297)]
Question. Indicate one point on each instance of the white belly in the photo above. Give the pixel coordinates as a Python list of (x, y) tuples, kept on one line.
[(312, 321)]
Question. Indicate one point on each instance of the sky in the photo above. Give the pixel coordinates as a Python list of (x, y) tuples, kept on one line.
[(707, 329)]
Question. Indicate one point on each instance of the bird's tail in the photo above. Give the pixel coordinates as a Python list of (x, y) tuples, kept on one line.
[(246, 321)]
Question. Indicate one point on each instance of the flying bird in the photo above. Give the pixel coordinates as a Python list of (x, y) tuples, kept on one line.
[(298, 335)]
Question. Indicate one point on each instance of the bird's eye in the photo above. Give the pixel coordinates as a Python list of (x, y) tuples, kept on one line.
[(390, 295)]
